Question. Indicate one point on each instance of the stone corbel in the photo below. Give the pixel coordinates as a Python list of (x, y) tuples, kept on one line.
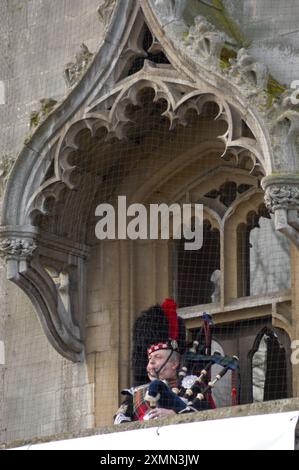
[(282, 199), (22, 250)]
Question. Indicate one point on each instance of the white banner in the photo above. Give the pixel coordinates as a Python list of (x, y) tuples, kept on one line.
[(262, 432)]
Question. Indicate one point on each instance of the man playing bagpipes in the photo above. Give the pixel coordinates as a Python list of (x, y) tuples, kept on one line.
[(158, 340)]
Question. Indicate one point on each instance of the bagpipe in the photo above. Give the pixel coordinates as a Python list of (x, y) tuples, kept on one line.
[(195, 385)]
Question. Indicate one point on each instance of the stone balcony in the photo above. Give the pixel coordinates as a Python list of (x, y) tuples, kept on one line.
[(275, 407)]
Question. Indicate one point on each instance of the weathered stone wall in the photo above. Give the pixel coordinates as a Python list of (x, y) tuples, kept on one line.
[(38, 38), (43, 393)]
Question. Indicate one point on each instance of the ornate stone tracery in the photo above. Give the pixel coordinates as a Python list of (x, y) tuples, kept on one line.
[(99, 103), (205, 41)]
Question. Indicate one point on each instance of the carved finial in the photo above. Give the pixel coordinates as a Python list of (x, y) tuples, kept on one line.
[(73, 71), (205, 41), (38, 116), (283, 121), (247, 70)]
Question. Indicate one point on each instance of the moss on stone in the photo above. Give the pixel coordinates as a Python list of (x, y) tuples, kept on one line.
[(228, 24), (274, 90), (47, 105), (36, 117), (226, 55), (217, 14)]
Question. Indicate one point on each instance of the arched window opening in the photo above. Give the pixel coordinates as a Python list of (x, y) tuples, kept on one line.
[(151, 51), (228, 192), (268, 367), (264, 372), (263, 256), (197, 272)]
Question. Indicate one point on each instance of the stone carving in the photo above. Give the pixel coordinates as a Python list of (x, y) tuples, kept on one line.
[(63, 287), (180, 98), (105, 10), (115, 123), (247, 70), (60, 321), (251, 78), (20, 248), (284, 130), (171, 10), (282, 197), (6, 164), (73, 71), (36, 117), (215, 279), (205, 41), (170, 13)]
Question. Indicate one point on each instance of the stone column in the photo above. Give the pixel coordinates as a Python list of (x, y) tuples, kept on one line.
[(2, 350), (282, 199), (295, 320)]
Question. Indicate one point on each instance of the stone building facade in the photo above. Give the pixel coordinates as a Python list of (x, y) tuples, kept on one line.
[(162, 102)]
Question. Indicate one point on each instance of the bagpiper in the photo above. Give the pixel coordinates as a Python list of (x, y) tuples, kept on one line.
[(159, 340)]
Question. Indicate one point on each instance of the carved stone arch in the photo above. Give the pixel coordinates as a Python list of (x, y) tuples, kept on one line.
[(252, 235), (250, 201), (169, 172), (114, 123), (268, 354), (40, 241)]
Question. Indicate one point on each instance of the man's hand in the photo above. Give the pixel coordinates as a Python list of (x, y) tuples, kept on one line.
[(159, 413)]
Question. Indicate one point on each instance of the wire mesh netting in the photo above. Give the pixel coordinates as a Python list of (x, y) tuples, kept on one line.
[(224, 348)]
